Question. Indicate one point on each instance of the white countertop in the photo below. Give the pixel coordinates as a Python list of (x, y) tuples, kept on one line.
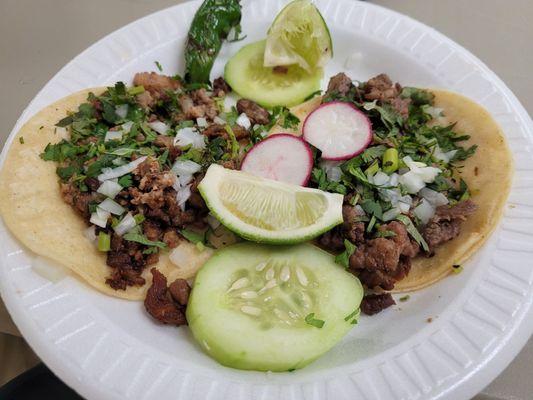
[(38, 37)]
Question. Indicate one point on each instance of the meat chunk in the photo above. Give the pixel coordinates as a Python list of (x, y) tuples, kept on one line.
[(157, 85), (382, 89), (171, 238), (79, 200), (332, 240), (340, 84), (215, 130), (180, 290), (353, 228), (256, 113), (446, 223), (167, 142), (383, 261), (221, 87), (152, 230), (197, 104), (160, 304), (375, 303)]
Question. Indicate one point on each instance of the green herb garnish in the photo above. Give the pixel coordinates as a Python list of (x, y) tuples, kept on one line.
[(311, 320)]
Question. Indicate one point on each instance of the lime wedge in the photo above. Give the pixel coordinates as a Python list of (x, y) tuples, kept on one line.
[(299, 35), (268, 211)]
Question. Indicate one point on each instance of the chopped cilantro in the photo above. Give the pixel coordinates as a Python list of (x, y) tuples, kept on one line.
[(158, 65), (21, 140), (125, 181), (405, 298), (344, 257), (311, 320), (193, 237), (457, 269), (411, 229), (139, 238)]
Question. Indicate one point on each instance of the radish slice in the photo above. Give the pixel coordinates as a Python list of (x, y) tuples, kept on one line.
[(282, 157), (339, 130)]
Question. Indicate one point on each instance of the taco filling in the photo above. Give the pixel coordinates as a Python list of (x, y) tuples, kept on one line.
[(134, 157)]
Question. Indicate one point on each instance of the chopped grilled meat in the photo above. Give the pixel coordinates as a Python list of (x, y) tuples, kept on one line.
[(383, 261), (197, 104), (340, 84), (375, 303), (160, 304), (171, 238), (382, 89), (256, 113), (446, 223), (145, 100), (332, 240), (221, 87), (92, 183), (156, 84), (215, 130), (168, 143), (180, 290), (152, 230), (353, 228), (79, 200)]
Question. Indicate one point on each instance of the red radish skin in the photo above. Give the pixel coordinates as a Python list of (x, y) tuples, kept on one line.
[(360, 133), (282, 157)]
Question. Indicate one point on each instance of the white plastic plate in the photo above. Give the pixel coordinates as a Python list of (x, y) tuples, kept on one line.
[(107, 348)]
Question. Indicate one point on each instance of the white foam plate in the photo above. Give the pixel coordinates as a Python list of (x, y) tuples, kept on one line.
[(107, 348)]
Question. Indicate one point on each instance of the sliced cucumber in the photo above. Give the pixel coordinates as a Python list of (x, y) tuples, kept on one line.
[(259, 307), (246, 74)]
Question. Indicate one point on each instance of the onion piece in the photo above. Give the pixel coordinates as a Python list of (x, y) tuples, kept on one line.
[(113, 135), (412, 182), (189, 136), (109, 188), (434, 198), (333, 170), (126, 126), (122, 170), (126, 225), (183, 195), (424, 211), (381, 179), (100, 217), (244, 121), (218, 120), (201, 122), (111, 206), (159, 127), (122, 110), (185, 167)]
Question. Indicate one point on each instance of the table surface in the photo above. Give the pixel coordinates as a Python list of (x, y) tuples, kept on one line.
[(38, 38)]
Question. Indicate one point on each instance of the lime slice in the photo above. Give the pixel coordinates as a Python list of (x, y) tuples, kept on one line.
[(268, 211), (299, 35)]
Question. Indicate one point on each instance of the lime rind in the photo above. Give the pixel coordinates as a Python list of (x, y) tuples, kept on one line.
[(209, 189)]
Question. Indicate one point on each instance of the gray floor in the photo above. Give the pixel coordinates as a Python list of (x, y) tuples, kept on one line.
[(39, 37)]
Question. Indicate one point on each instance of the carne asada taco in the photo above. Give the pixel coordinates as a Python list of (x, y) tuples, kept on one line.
[(129, 161)]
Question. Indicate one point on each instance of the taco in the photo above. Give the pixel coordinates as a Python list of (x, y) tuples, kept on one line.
[(128, 160)]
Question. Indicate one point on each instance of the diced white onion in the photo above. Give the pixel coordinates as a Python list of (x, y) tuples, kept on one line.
[(393, 180), (412, 182), (424, 211), (122, 170), (201, 122), (218, 120), (434, 198), (244, 121), (435, 112), (183, 195), (117, 161), (212, 221), (189, 136), (390, 195), (333, 171), (185, 167), (428, 174), (126, 225), (112, 206), (440, 155), (126, 126), (90, 233), (121, 110), (109, 189), (404, 207), (159, 127), (100, 217), (113, 135), (381, 178), (391, 214), (62, 132)]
